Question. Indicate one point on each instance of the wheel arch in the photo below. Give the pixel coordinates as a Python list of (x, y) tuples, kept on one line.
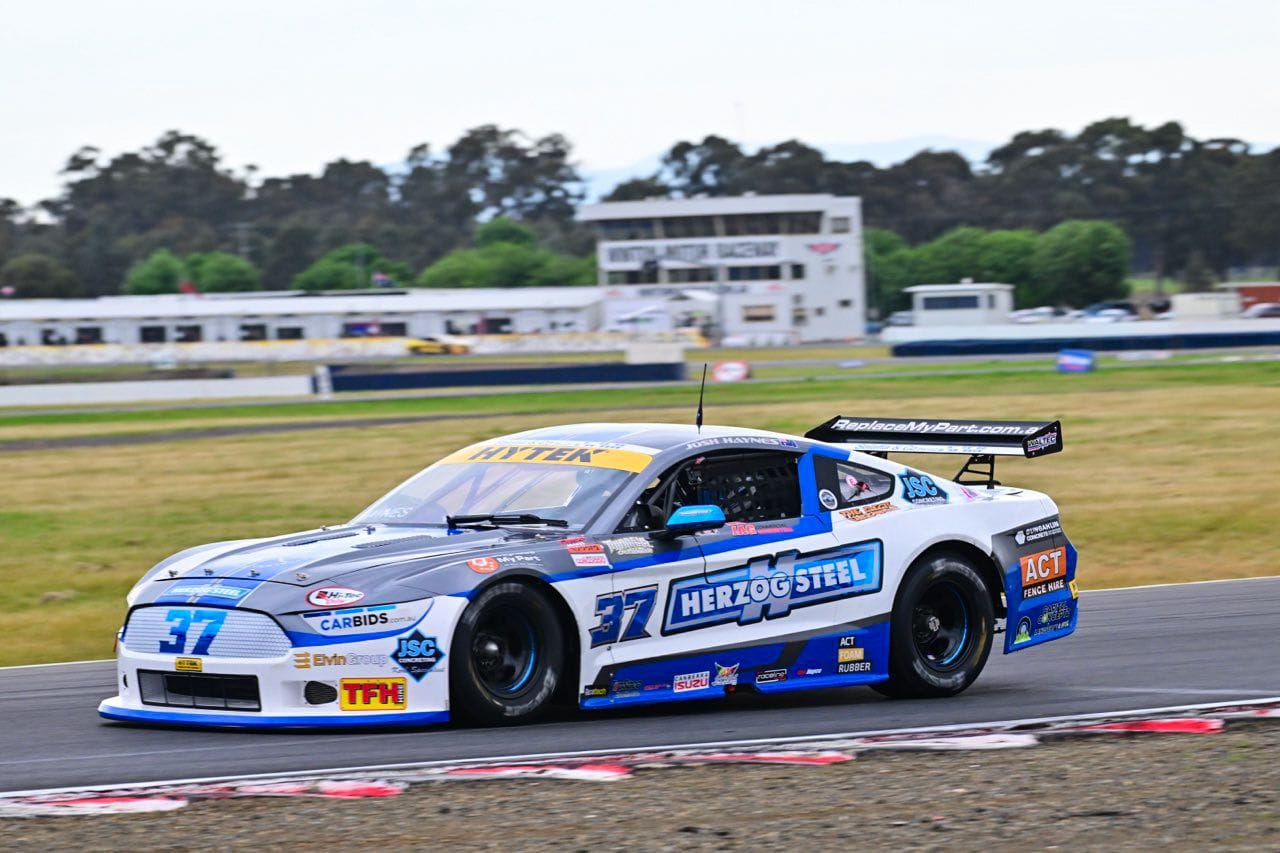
[(567, 691), (983, 562)]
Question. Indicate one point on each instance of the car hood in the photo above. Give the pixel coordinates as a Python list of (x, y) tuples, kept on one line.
[(386, 561)]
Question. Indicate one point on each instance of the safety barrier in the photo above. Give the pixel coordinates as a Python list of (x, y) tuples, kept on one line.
[(1111, 343), (354, 377)]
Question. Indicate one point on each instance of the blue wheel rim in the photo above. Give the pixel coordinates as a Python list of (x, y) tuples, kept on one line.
[(504, 651), (942, 626)]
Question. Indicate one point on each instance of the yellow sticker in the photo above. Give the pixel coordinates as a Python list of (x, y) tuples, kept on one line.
[(553, 454), (372, 694), (1075, 590), (188, 665)]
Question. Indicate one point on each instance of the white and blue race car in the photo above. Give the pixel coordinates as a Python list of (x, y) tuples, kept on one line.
[(614, 565)]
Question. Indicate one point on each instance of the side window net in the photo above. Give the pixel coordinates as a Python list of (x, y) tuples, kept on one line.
[(762, 487), (747, 486)]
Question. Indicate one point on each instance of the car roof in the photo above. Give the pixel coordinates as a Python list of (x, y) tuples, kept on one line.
[(655, 436)]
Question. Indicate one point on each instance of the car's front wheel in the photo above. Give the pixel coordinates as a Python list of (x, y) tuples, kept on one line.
[(509, 655), (941, 629)]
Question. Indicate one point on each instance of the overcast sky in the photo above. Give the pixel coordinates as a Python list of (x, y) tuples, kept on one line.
[(289, 85)]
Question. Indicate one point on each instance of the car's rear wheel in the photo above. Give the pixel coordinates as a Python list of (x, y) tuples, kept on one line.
[(509, 655), (941, 629)]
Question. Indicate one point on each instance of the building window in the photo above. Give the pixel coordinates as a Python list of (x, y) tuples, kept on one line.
[(763, 273), (188, 334), (678, 227), (797, 272), (88, 334), (950, 303), (759, 313), (695, 274), (395, 330), (839, 225), (845, 303), (361, 329), (253, 331), (496, 326), (289, 333), (801, 223), (752, 224), (151, 334), (991, 300), (799, 317), (627, 229), (616, 277)]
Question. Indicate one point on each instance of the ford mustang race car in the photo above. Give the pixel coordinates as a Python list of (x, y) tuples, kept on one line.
[(614, 565)]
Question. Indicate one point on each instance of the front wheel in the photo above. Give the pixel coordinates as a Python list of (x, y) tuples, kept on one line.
[(509, 655), (940, 630)]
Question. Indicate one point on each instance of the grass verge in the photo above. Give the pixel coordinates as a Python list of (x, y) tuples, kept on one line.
[(1160, 481)]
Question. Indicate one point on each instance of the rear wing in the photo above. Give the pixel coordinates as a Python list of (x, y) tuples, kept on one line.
[(981, 441)]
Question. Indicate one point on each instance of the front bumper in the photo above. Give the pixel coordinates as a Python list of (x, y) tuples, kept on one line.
[(322, 682)]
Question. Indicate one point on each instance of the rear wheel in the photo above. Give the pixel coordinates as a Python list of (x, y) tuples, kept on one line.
[(941, 629), (509, 655)]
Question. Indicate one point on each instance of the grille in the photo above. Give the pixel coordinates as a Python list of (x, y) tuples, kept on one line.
[(319, 693), (202, 690), (212, 631)]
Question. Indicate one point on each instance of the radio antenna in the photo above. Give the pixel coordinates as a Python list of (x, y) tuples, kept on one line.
[(698, 421)]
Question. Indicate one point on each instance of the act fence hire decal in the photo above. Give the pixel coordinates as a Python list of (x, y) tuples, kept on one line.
[(1043, 572), (770, 587)]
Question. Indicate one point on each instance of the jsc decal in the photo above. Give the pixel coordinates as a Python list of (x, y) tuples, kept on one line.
[(921, 489), (417, 655)]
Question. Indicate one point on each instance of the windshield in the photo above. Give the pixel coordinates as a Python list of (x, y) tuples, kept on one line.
[(514, 480)]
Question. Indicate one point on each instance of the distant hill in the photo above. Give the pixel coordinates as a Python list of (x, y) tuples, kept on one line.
[(600, 182)]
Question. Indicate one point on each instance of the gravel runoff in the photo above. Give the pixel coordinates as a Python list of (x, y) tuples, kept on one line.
[(1179, 792)]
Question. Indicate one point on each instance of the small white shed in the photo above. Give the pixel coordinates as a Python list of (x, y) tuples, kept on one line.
[(965, 304)]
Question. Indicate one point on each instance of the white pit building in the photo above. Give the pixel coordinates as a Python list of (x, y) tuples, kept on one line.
[(768, 269), (964, 304)]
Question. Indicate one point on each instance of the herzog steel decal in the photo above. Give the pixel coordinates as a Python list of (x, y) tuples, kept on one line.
[(771, 586)]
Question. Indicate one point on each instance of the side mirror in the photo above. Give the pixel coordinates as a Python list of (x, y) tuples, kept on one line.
[(694, 519)]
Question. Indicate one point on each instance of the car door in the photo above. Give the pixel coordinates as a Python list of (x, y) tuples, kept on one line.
[(733, 587), (868, 524)]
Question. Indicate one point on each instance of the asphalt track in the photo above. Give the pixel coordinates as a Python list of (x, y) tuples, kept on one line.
[(1135, 648)]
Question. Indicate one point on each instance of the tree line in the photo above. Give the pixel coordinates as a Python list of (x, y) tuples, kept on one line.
[(1074, 263), (496, 207)]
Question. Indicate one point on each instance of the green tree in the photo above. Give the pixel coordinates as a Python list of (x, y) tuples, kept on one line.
[(1079, 262), (1006, 257), (329, 275), (504, 230), (34, 276), (952, 257), (507, 255), (1197, 277), (222, 272), (889, 269), (160, 272), (350, 267), (174, 194), (507, 264)]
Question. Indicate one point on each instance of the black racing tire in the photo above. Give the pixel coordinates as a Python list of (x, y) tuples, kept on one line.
[(941, 629), (508, 656)]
